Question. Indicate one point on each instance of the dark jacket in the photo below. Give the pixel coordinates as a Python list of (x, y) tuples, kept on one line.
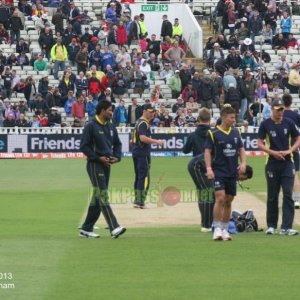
[(54, 119), (166, 28), (154, 47), (94, 145), (20, 48), (195, 141), (72, 51), (43, 87), (46, 41), (15, 23), (233, 61), (138, 112)]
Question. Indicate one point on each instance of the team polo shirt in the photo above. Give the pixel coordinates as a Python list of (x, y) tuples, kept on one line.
[(138, 147), (278, 136), (225, 146), (294, 116)]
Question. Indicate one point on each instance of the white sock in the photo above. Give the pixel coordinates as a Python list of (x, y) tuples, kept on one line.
[(296, 196), (218, 224), (224, 225)]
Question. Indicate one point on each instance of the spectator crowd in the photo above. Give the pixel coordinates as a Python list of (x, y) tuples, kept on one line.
[(82, 60)]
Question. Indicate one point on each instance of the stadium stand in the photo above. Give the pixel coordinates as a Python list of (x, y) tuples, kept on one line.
[(118, 60)]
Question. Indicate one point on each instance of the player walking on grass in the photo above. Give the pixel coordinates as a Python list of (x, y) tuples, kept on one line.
[(278, 132), (141, 148), (294, 116), (223, 147), (101, 144)]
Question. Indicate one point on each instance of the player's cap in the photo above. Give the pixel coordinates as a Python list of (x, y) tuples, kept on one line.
[(278, 104), (149, 107)]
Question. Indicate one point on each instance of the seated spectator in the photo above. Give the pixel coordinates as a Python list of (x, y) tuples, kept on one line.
[(215, 54), (291, 42), (279, 43), (248, 62), (66, 85), (23, 59), (153, 62), (247, 46), (190, 119), (192, 105), (39, 105), (12, 60), (123, 57), (166, 73), (179, 104), (180, 118), (4, 36), (267, 34), (155, 94), (175, 55), (22, 46), (221, 40), (253, 111), (25, 8), (54, 118), (119, 87), (153, 46), (81, 83), (22, 121), (175, 85), (40, 64), (23, 108), (267, 109), (42, 22), (20, 86), (243, 32), (166, 118), (138, 79), (189, 91), (43, 85), (43, 118), (145, 68), (208, 46), (35, 122), (9, 120), (233, 59), (282, 63), (260, 91)]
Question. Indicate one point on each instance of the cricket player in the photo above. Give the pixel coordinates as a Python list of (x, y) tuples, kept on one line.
[(278, 133), (223, 148), (101, 144)]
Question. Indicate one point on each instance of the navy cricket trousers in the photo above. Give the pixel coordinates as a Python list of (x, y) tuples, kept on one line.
[(280, 175), (205, 193), (99, 176), (142, 178)]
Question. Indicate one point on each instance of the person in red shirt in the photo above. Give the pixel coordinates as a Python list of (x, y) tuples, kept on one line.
[(121, 34), (78, 109)]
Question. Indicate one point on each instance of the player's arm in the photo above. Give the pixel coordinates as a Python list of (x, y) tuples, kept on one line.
[(86, 143), (208, 161), (142, 130), (296, 136), (147, 140), (188, 146), (242, 153), (261, 144), (117, 148)]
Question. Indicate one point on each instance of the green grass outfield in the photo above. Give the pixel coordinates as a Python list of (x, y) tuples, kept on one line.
[(42, 201)]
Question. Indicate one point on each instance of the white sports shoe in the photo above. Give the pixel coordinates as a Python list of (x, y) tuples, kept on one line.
[(88, 234), (288, 232), (297, 204), (117, 232), (270, 230), (205, 229), (226, 236), (218, 234)]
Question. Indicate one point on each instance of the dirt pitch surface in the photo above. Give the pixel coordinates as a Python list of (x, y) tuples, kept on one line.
[(185, 213)]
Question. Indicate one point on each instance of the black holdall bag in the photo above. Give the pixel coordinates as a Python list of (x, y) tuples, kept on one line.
[(245, 222)]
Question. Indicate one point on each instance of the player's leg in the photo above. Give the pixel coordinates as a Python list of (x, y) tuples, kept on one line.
[(94, 210), (273, 188), (296, 190), (102, 181), (205, 194), (288, 210), (142, 181)]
